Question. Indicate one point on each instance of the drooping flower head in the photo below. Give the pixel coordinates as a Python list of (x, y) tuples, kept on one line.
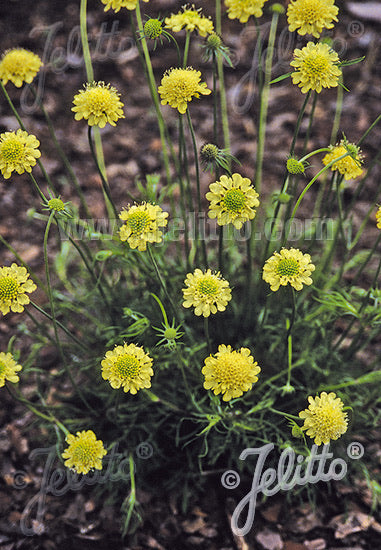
[(142, 223), (116, 5), (8, 369), (179, 86), (190, 19), (289, 266), (295, 166), (207, 292), (378, 217), (324, 419), (129, 367), (349, 166), (232, 200), (230, 372), (243, 9), (98, 103), (84, 453), (19, 66), (14, 286), (18, 152), (316, 67), (311, 16)]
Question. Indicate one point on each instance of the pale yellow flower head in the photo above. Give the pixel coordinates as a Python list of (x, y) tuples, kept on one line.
[(316, 67), (324, 419), (84, 453), (129, 367), (289, 266), (230, 372), (243, 9), (8, 369), (14, 286), (98, 103), (190, 19), (349, 166), (311, 16), (142, 223), (18, 152), (232, 200), (207, 292), (116, 5), (179, 86), (19, 66)]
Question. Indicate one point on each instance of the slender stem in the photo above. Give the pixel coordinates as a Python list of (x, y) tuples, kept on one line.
[(35, 278), (161, 281), (220, 71), (186, 49), (52, 308), (207, 336), (29, 405), (338, 111), (299, 121), (37, 188), (199, 206), (105, 184), (365, 134)]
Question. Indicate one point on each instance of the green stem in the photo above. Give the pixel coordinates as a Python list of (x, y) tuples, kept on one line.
[(33, 275), (338, 111), (220, 71), (199, 206), (105, 184), (161, 281), (186, 49), (207, 336), (53, 314)]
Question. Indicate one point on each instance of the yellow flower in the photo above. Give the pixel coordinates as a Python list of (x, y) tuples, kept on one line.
[(18, 152), (316, 67), (84, 452), (230, 372), (242, 9), (324, 419), (190, 19), (127, 366), (288, 266), (207, 292), (378, 217), (14, 284), (19, 66), (8, 369), (117, 4), (142, 224), (350, 166), (179, 86), (232, 200), (311, 16), (98, 104)]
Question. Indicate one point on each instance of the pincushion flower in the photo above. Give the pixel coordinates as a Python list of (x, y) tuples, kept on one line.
[(232, 200), (116, 5), (84, 453), (316, 67), (311, 16), (142, 223), (207, 292), (289, 266), (190, 19), (98, 103), (18, 152), (179, 86), (378, 217), (349, 166), (129, 367), (8, 369), (324, 419), (243, 9), (14, 286), (19, 66), (230, 372)]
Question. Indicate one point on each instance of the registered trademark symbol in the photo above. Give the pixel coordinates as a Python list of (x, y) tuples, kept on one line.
[(355, 450)]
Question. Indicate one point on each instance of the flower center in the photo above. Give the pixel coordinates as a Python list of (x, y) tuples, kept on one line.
[(139, 222), (328, 419), (56, 204), (2, 368), (288, 267), (170, 333), (234, 200), (316, 65), (127, 366), (232, 370), (207, 286), (12, 150), (311, 11), (99, 100), (153, 28), (84, 453), (8, 288)]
